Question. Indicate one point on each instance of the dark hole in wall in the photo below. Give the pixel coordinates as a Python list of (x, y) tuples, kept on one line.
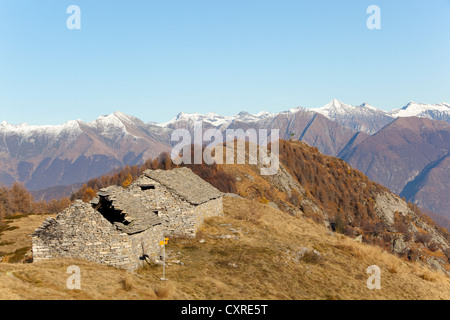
[(106, 208), (147, 187)]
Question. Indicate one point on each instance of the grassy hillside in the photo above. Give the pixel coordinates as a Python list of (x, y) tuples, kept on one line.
[(253, 252), (323, 188)]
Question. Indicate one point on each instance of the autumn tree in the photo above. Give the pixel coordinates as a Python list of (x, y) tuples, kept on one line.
[(128, 181), (88, 194)]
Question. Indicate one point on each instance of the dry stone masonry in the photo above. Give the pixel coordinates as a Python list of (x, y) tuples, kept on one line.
[(123, 227)]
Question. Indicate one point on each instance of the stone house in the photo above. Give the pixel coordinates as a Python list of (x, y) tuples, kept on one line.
[(123, 227)]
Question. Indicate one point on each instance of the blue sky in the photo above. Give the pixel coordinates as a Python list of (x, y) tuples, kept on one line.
[(153, 59)]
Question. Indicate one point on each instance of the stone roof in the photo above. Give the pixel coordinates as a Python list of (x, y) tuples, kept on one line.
[(133, 211), (137, 215), (186, 184)]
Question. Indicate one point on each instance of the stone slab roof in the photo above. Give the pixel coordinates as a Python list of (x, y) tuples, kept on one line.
[(186, 184), (137, 215)]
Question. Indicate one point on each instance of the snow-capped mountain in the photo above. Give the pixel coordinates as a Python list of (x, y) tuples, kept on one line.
[(73, 152), (440, 111), (365, 118), (24, 130), (217, 120), (45, 156), (336, 108), (369, 119), (113, 126)]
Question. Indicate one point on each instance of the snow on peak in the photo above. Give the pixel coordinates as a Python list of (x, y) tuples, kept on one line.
[(122, 116), (117, 119), (336, 108), (25, 129), (114, 125), (333, 108), (182, 116), (295, 110), (108, 120), (414, 109), (336, 102), (111, 126), (216, 119), (369, 106)]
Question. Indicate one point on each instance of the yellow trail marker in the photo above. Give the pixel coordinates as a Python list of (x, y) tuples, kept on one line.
[(163, 244)]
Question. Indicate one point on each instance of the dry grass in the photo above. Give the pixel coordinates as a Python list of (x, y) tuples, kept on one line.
[(19, 230), (164, 290), (428, 276), (247, 254), (393, 266), (127, 282)]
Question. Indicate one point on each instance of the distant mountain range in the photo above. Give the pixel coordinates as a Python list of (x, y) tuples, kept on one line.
[(364, 118), (46, 156), (369, 119), (407, 155)]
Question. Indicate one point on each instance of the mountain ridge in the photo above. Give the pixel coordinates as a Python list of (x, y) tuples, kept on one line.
[(399, 155), (323, 188), (330, 110), (43, 157)]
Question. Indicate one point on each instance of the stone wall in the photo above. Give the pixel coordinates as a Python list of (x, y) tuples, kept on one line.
[(180, 217), (212, 208), (145, 246), (83, 233)]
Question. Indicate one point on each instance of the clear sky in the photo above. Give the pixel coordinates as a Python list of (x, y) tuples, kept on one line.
[(153, 59)]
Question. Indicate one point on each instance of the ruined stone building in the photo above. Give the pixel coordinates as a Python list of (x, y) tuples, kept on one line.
[(123, 227)]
